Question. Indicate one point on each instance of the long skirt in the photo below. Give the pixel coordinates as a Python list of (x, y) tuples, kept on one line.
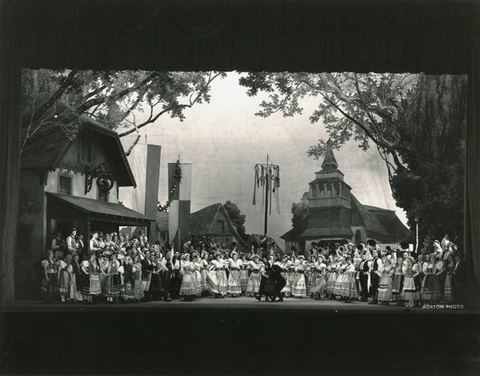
[(331, 281), (299, 288), (138, 287), (397, 286), (204, 278), (449, 291), (188, 287), (267, 286), (348, 287), (318, 283), (385, 289), (217, 282), (340, 284), (49, 287), (74, 292), (128, 291), (156, 287), (431, 288), (63, 282), (234, 286), (253, 286), (198, 282), (95, 286), (243, 279), (287, 289), (410, 289), (112, 285), (308, 280), (83, 284)]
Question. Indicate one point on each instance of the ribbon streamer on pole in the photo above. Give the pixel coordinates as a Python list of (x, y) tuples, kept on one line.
[(267, 176)]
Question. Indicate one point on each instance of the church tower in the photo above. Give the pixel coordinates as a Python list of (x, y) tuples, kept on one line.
[(329, 188)]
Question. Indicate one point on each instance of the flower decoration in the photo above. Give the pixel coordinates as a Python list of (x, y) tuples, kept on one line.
[(177, 178)]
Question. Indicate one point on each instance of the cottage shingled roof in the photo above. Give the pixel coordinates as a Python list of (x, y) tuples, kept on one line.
[(396, 230), (200, 221), (373, 226), (45, 150)]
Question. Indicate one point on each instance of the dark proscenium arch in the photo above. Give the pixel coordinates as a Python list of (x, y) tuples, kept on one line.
[(435, 37)]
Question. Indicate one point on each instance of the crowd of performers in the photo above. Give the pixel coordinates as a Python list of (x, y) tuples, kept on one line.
[(118, 269)]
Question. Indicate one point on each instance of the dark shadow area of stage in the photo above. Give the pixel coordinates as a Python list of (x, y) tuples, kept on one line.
[(214, 342)]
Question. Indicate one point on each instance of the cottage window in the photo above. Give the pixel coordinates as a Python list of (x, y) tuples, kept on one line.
[(86, 150), (65, 185)]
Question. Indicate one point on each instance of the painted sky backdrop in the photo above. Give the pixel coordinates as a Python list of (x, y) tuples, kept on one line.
[(224, 140)]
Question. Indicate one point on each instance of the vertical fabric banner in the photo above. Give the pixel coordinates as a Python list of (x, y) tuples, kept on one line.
[(179, 212)]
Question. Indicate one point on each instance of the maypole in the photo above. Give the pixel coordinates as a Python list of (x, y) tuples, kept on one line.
[(267, 176)]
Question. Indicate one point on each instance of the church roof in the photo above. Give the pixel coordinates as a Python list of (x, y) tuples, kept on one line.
[(335, 222), (329, 162)]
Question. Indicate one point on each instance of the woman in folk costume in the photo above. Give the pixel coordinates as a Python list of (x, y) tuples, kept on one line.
[(83, 281), (299, 288), (113, 281), (217, 277), (349, 289), (94, 275), (243, 274), (204, 268), (63, 280), (128, 280), (310, 274), (449, 290), (234, 288), (156, 286), (197, 267), (318, 279), (75, 291), (442, 275), (385, 295), (332, 275), (104, 264), (411, 292), (291, 275), (255, 267), (49, 280), (431, 288), (341, 279), (137, 274), (188, 288), (287, 290), (397, 282)]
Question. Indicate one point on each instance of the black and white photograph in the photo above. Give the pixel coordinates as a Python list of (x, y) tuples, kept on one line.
[(239, 187)]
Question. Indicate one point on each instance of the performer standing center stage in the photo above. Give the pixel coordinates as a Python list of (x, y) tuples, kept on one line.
[(280, 282)]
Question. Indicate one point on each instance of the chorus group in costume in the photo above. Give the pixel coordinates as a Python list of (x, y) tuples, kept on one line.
[(121, 269)]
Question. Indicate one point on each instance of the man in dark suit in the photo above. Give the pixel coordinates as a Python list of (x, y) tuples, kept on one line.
[(459, 278), (280, 282), (364, 271), (375, 277)]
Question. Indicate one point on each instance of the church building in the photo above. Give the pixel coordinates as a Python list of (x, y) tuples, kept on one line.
[(334, 215)]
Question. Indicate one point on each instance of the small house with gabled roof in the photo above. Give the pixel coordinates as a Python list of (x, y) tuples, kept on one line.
[(70, 177), (214, 221)]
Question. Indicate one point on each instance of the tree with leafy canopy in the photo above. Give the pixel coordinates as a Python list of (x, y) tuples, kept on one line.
[(415, 121), (125, 101), (238, 219)]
